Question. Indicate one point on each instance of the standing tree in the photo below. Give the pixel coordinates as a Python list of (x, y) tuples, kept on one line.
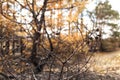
[(104, 16)]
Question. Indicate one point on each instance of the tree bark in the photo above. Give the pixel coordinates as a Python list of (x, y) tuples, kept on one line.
[(37, 34)]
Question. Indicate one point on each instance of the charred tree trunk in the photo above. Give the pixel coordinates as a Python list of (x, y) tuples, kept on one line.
[(34, 48), (7, 47), (21, 46), (37, 35), (1, 48), (13, 46)]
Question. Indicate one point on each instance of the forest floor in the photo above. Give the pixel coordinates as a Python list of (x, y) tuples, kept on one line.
[(102, 66), (106, 64)]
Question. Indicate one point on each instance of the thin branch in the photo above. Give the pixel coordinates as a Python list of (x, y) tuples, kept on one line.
[(49, 39), (12, 20), (23, 6), (61, 8), (28, 5)]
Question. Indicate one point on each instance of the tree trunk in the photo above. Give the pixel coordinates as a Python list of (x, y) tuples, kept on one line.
[(37, 34), (7, 47)]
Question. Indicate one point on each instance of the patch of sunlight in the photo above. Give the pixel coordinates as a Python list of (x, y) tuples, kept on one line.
[(103, 63)]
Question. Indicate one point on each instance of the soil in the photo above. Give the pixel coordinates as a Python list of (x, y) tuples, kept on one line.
[(105, 65)]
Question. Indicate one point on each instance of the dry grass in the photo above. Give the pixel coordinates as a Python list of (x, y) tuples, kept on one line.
[(106, 63)]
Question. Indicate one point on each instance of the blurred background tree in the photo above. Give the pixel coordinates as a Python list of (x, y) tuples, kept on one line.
[(105, 18)]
